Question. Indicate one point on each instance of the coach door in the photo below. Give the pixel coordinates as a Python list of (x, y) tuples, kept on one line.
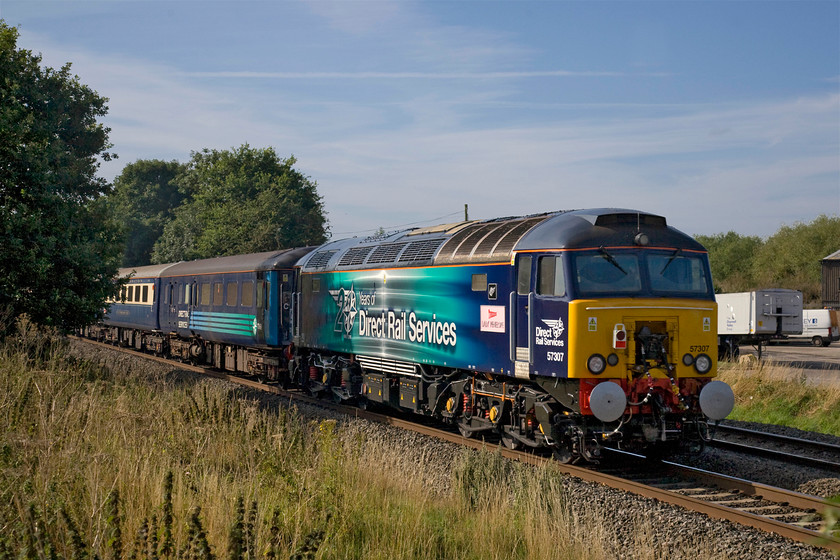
[(170, 300), (186, 294), (285, 300), (521, 305)]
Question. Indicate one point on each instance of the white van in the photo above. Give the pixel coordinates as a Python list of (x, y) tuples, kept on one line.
[(820, 326)]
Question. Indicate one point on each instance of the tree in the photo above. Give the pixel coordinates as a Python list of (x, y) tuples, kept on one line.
[(60, 251), (791, 257), (730, 257), (144, 200), (241, 201)]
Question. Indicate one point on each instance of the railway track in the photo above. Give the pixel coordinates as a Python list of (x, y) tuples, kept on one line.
[(784, 512), (791, 450)]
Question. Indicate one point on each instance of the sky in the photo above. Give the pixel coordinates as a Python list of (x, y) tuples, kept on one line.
[(719, 115)]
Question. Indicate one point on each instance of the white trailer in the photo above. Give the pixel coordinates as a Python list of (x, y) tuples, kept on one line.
[(756, 317), (820, 326)]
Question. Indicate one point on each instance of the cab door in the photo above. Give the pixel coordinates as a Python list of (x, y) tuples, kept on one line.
[(521, 306)]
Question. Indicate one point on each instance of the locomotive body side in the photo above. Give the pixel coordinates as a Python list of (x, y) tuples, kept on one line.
[(448, 316), (596, 329)]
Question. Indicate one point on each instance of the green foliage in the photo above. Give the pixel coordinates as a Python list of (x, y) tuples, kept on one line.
[(241, 201), (791, 257), (730, 255), (788, 259), (60, 248), (144, 200)]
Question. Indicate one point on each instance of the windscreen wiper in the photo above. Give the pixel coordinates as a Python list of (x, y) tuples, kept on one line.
[(674, 255), (611, 259)]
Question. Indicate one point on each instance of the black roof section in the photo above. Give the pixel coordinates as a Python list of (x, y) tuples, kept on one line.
[(270, 260)]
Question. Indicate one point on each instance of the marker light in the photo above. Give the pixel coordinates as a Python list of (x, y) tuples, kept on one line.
[(619, 337)]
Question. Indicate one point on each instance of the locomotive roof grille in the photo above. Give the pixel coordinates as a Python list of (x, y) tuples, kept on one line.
[(507, 243), (355, 256), (386, 253), (487, 245), (465, 249), (420, 250), (320, 259), (454, 242)]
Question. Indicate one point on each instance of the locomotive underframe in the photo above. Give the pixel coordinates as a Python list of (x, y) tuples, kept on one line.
[(538, 413)]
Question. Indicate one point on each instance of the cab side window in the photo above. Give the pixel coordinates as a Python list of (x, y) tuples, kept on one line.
[(523, 281), (551, 279)]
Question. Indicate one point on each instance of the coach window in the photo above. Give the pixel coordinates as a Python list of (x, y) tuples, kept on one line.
[(247, 299), (479, 282), (205, 293), (551, 280), (260, 290), (231, 293), (523, 283), (218, 293), (146, 295)]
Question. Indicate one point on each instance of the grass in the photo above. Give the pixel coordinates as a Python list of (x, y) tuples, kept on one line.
[(119, 464), (773, 394)]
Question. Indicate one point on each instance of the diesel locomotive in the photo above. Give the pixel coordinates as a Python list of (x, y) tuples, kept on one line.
[(568, 331)]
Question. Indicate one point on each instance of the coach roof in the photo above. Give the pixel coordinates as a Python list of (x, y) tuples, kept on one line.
[(270, 260)]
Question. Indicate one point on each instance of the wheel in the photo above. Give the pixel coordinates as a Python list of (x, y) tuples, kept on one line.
[(463, 428), (562, 454), (511, 442), (818, 341)]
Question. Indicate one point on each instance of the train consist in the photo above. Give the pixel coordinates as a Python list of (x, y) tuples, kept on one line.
[(570, 331)]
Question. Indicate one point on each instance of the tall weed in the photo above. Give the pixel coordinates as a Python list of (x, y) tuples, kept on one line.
[(129, 464), (771, 393)]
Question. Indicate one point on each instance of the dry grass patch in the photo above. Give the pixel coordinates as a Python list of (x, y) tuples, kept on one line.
[(773, 394)]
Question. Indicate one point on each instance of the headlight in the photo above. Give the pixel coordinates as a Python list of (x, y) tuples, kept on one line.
[(703, 363), (596, 364), (688, 359), (612, 359)]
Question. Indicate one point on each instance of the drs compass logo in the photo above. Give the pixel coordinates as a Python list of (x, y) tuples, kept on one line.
[(346, 316)]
